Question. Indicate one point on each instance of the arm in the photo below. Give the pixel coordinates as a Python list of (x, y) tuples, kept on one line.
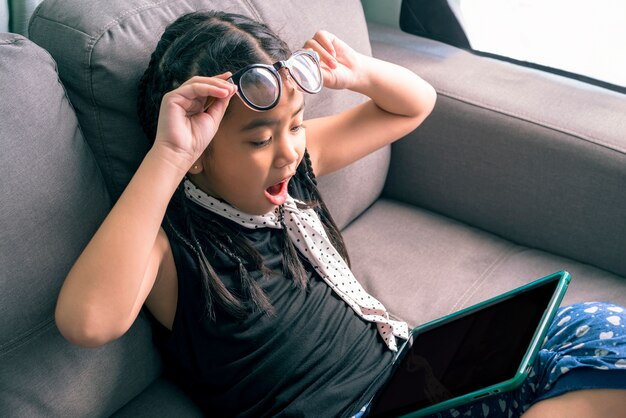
[(105, 289), (400, 101)]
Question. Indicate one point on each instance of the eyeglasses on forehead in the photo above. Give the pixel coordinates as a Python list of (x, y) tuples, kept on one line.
[(260, 85)]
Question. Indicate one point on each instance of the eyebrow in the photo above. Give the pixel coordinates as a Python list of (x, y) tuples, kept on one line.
[(261, 122)]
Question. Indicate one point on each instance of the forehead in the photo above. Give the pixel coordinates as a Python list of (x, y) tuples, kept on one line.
[(239, 115)]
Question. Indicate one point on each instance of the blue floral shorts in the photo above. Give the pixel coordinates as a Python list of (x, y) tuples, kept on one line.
[(585, 349)]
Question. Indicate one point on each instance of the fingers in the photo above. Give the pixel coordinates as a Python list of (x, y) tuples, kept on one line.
[(199, 84), (326, 59), (224, 76), (209, 101), (198, 93), (220, 78), (322, 43), (216, 109), (325, 40)]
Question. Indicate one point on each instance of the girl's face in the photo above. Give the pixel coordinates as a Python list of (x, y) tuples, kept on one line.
[(254, 154)]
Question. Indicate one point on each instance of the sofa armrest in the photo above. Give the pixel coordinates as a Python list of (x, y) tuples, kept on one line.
[(533, 157)]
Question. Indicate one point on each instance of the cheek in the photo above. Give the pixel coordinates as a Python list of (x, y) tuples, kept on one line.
[(222, 167), (244, 173), (302, 138)]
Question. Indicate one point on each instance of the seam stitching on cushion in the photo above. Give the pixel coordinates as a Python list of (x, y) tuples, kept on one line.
[(94, 40), (12, 40), (49, 56), (527, 118), (23, 338), (471, 290), (55, 22), (126, 14), (90, 44), (102, 148)]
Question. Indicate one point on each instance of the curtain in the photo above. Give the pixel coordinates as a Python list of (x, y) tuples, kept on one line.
[(19, 14)]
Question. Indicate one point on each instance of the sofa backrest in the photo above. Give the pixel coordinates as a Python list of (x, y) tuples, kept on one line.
[(102, 49), (53, 200), (533, 157)]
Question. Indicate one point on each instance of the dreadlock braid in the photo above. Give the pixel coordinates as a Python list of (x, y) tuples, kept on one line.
[(292, 264), (307, 177), (250, 288)]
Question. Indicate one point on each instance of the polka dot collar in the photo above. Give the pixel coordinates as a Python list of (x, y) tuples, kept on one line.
[(307, 233)]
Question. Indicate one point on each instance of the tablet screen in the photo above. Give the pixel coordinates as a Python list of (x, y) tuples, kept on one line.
[(468, 352)]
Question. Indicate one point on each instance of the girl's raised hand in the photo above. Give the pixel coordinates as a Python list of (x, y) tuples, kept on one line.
[(186, 125), (340, 63)]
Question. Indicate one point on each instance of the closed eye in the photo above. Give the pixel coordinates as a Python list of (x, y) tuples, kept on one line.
[(298, 127), (261, 144)]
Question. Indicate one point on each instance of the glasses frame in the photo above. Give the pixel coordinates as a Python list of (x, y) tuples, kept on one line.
[(274, 70)]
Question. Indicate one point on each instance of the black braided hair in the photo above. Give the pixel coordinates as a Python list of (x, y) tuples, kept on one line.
[(202, 43), (332, 230), (209, 43)]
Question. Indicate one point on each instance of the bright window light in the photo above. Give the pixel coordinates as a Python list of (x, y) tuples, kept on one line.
[(583, 37)]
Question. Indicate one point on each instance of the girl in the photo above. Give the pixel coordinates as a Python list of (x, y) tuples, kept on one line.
[(222, 233)]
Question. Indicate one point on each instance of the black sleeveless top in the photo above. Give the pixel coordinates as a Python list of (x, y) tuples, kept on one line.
[(314, 358)]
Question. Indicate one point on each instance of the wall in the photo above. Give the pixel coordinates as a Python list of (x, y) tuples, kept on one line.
[(386, 12)]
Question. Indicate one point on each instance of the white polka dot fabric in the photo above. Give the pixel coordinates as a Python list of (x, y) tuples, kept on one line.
[(308, 235)]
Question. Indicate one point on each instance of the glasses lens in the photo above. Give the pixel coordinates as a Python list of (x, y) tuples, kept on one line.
[(259, 87), (306, 72)]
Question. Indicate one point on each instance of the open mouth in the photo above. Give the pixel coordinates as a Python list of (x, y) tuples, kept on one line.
[(277, 193), (275, 189)]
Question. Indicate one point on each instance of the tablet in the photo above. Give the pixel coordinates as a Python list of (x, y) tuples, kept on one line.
[(480, 351)]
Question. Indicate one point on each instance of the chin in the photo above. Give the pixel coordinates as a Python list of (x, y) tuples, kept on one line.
[(258, 209)]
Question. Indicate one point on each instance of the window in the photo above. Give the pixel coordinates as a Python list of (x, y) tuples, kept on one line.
[(571, 37)]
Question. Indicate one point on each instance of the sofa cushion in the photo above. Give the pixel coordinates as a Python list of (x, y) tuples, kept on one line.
[(54, 199), (163, 398), (103, 48), (534, 157), (422, 265)]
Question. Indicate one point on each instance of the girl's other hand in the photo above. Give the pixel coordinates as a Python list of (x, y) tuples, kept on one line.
[(340, 63), (185, 127)]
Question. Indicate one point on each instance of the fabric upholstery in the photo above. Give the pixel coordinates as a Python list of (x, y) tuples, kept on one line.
[(163, 398), (422, 265), (110, 47), (507, 150), (54, 198), (42, 375), (541, 170)]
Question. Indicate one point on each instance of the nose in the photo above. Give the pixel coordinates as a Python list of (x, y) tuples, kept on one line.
[(286, 152)]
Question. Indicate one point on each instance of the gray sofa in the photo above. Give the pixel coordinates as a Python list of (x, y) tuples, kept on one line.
[(515, 175)]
